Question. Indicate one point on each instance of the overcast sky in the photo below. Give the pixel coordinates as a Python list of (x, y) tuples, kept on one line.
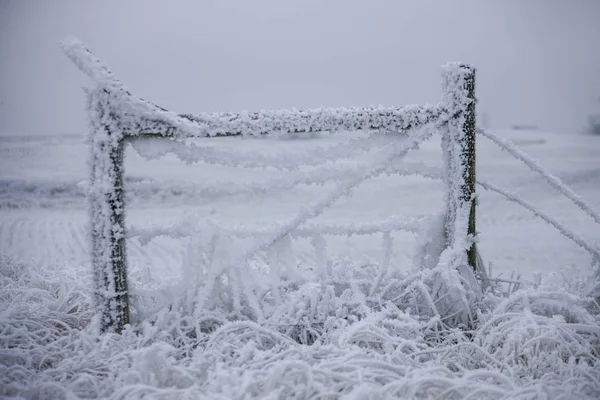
[(538, 61)]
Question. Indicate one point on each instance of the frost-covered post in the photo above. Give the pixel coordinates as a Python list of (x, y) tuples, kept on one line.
[(105, 194), (458, 143), (107, 213)]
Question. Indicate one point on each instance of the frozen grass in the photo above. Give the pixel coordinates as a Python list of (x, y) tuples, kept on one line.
[(270, 333)]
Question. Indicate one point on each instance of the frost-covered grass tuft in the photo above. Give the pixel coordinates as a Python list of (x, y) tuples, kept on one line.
[(413, 335)]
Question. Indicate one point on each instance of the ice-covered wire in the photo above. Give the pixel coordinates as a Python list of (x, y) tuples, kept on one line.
[(318, 176), (553, 180), (185, 229), (338, 229), (436, 174), (562, 229), (342, 188), (151, 148), (145, 235)]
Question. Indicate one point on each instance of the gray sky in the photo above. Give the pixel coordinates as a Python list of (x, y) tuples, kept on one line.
[(538, 61)]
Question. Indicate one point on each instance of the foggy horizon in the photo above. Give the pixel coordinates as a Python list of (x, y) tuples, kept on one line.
[(537, 61)]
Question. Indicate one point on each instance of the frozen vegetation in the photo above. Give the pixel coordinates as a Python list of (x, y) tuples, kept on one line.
[(285, 334), (295, 267)]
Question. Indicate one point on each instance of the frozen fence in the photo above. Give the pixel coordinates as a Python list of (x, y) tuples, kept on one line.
[(117, 116)]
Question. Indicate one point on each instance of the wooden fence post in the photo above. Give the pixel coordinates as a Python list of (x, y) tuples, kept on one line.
[(107, 219), (459, 149), (118, 241)]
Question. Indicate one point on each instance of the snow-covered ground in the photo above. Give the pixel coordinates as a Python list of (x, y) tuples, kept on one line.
[(43, 240), (43, 217)]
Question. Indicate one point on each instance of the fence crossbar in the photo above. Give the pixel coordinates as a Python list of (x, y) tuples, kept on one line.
[(394, 119)]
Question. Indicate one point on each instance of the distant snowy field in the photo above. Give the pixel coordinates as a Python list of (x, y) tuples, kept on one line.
[(44, 244), (43, 217)]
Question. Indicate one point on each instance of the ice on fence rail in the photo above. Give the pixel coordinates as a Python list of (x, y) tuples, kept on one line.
[(90, 65), (317, 120), (153, 120)]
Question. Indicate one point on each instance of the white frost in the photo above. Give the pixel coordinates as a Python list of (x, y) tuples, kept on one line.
[(246, 325)]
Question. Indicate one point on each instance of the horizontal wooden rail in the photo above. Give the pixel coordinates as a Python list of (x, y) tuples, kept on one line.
[(290, 121)]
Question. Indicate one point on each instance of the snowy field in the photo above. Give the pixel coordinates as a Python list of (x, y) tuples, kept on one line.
[(43, 216), (541, 341)]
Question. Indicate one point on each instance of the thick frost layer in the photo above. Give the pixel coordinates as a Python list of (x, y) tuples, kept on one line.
[(338, 338), (107, 211), (456, 101), (317, 120)]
